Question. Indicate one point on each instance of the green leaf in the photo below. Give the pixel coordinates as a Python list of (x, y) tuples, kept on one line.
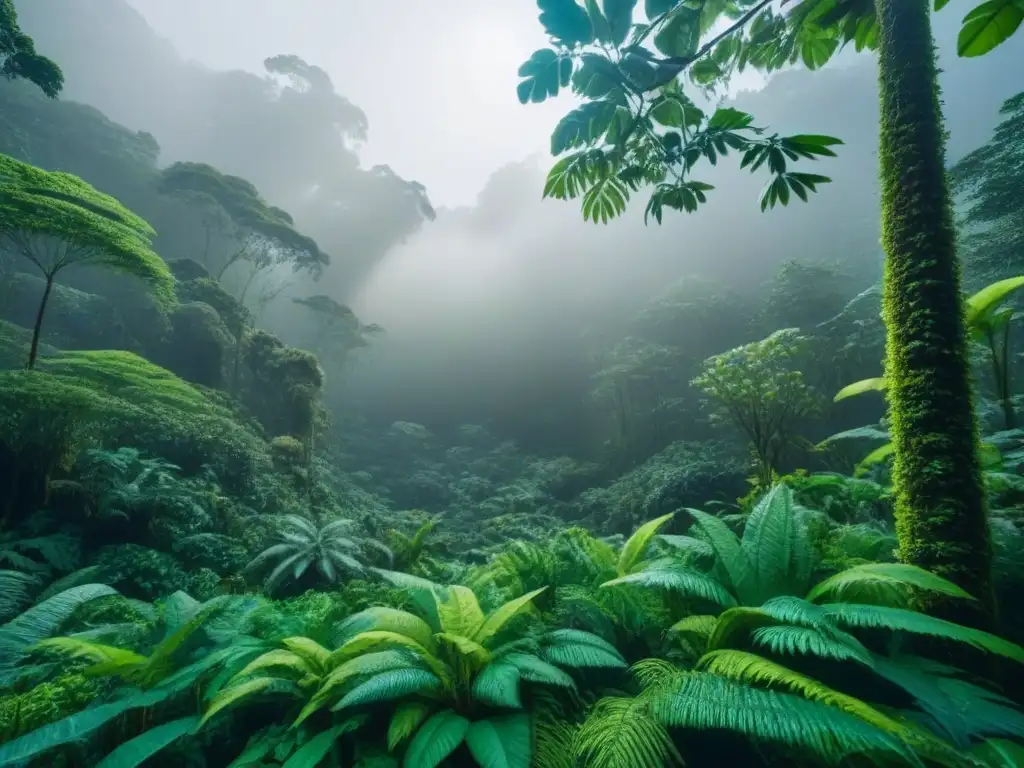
[(596, 77), (704, 72), (634, 548), (533, 669), (566, 21), (385, 619), (940, 4), (544, 74), (313, 751), (866, 578), (675, 110), (407, 718), (136, 751), (876, 384), (655, 8), (459, 611), (501, 742), (498, 685), (670, 575), (230, 696), (999, 753), (990, 297), (435, 740), (620, 18), (499, 617), (899, 619), (584, 126), (730, 119), (602, 30), (390, 685), (988, 26), (679, 35), (604, 200)]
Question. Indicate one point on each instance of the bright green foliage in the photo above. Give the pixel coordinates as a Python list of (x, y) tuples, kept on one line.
[(988, 26), (451, 673), (18, 57), (55, 220), (118, 398), (763, 573), (637, 127), (756, 389)]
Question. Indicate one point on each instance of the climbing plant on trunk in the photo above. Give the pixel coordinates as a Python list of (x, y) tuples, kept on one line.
[(56, 220)]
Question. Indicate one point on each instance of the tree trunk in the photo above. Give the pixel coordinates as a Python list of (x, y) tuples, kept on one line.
[(941, 520), (37, 329)]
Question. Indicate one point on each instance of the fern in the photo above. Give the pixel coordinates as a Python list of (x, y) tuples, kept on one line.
[(624, 733)]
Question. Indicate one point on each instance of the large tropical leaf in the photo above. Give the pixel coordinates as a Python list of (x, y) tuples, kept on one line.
[(407, 718), (501, 742), (278, 662), (43, 619), (576, 649), (458, 611), (900, 619), (136, 751), (536, 670), (703, 701), (634, 548), (877, 384), (671, 575), (988, 26), (435, 740), (776, 543), (498, 618), (732, 567), (498, 685), (999, 753), (236, 693), (310, 754), (981, 304), (386, 620), (885, 583), (390, 685), (422, 592)]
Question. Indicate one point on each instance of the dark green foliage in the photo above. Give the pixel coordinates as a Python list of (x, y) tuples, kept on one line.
[(247, 211), (18, 57), (284, 386)]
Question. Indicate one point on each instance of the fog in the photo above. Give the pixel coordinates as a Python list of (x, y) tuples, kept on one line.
[(504, 298)]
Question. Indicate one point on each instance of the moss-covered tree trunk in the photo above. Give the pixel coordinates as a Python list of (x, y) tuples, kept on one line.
[(941, 517)]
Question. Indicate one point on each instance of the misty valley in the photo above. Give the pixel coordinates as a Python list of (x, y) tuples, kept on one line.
[(548, 384)]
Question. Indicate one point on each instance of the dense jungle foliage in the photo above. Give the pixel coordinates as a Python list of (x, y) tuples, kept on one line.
[(797, 538)]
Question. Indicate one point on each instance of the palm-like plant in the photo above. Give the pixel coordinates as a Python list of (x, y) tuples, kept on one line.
[(445, 675), (762, 585), (330, 547)]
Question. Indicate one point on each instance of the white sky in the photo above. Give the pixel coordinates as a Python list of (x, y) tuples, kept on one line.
[(436, 78)]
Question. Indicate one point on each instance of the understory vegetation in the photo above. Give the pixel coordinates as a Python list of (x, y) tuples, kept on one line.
[(206, 560)]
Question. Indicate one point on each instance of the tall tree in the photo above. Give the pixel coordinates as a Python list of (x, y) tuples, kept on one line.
[(637, 129), (261, 234), (56, 220), (18, 57)]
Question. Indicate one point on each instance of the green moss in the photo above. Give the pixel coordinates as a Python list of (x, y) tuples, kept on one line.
[(45, 703), (284, 387), (207, 290), (199, 347), (117, 398), (940, 511)]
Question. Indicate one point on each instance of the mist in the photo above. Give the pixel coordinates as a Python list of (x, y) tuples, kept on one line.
[(505, 299)]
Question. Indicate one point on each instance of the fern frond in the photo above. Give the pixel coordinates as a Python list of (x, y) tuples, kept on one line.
[(792, 641), (705, 701), (623, 733), (407, 718), (889, 584), (675, 577), (900, 619), (732, 565), (654, 672)]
